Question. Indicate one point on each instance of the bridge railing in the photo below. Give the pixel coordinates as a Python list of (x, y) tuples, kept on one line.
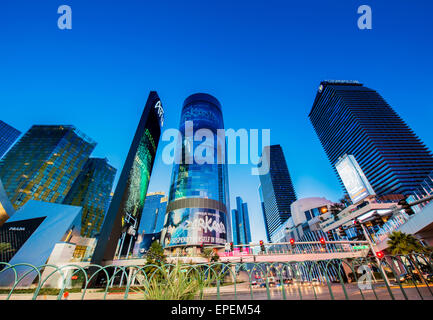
[(409, 277), (285, 248), (391, 225), (315, 247)]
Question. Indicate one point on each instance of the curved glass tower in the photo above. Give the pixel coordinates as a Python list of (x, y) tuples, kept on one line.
[(198, 198)]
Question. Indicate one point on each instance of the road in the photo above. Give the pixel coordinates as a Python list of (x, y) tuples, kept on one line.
[(292, 292)]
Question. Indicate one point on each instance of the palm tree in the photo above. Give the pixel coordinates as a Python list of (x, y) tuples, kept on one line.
[(406, 244), (402, 243)]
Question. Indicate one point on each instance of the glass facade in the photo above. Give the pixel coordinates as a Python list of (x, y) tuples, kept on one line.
[(277, 190), (350, 118), (44, 163), (262, 203), (241, 223), (91, 191), (8, 135), (152, 219), (143, 243), (119, 229), (197, 210)]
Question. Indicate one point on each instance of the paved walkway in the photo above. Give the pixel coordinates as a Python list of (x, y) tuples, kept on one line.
[(292, 292)]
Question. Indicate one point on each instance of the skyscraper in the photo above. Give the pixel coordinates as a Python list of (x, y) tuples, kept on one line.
[(350, 118), (120, 225), (262, 204), (152, 219), (44, 163), (91, 191), (197, 211), (277, 188), (8, 135), (241, 223), (151, 223)]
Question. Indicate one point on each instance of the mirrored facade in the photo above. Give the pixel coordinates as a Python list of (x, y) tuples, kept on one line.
[(241, 223), (277, 190), (350, 118), (44, 163), (8, 135), (198, 198), (91, 190)]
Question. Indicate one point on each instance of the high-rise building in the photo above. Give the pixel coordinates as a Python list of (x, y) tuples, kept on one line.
[(8, 135), (350, 118), (277, 188), (151, 223), (197, 211), (91, 191), (241, 223), (152, 219), (44, 163), (262, 204), (121, 221)]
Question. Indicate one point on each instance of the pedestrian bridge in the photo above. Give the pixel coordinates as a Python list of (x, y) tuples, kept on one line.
[(419, 224), (275, 252)]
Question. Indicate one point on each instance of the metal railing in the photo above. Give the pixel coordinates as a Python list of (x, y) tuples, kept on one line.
[(410, 277)]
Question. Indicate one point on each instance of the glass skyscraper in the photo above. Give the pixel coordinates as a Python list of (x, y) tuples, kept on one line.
[(44, 163), (241, 223), (350, 118), (277, 190), (262, 204), (119, 229), (152, 219), (91, 191), (197, 211), (8, 135), (151, 223)]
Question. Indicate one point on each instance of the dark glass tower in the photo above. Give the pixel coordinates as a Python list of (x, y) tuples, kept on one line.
[(44, 163), (91, 191), (262, 204), (197, 211), (353, 119), (122, 218), (8, 135), (241, 223), (277, 188)]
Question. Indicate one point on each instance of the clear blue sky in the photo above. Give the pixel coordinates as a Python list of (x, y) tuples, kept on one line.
[(262, 59)]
